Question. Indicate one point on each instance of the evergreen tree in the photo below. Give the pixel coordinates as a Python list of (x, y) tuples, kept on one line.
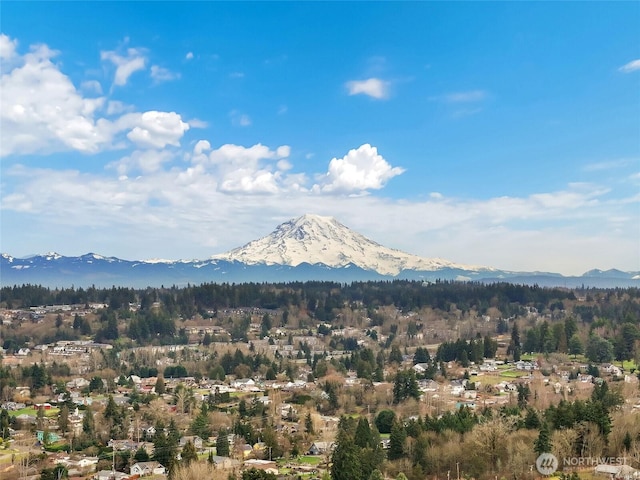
[(222, 444), (515, 347), (308, 424), (88, 423), (200, 424), (63, 418), (160, 387), (405, 386), (395, 356), (189, 453), (531, 420), (543, 443), (421, 356), (345, 459), (397, 439), (4, 424), (111, 411), (363, 437), (141, 455)]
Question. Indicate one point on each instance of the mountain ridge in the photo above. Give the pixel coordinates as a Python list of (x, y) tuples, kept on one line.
[(318, 239), (310, 247)]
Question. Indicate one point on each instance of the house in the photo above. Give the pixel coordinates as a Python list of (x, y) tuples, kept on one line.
[(321, 448), (110, 475), (195, 439), (245, 384), (147, 468), (266, 465), (224, 462), (611, 369), (420, 368), (618, 472)]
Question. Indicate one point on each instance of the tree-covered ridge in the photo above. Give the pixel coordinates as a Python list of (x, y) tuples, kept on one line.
[(316, 296)]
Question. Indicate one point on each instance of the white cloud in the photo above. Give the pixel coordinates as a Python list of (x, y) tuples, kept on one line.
[(197, 123), (126, 65), (255, 169), (359, 170), (160, 74), (155, 129), (116, 107), (7, 47), (148, 215), (608, 164), (42, 111), (143, 161), (373, 87), (92, 86), (632, 66), (189, 56), (201, 147)]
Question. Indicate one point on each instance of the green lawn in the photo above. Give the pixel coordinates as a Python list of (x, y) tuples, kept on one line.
[(32, 411), (310, 460)]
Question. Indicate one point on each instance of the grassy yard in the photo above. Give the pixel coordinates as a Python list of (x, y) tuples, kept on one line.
[(514, 373), (33, 412), (310, 460)]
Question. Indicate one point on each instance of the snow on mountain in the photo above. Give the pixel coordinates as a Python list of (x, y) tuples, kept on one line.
[(316, 239)]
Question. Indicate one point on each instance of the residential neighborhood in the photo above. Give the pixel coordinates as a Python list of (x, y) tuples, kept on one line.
[(248, 391)]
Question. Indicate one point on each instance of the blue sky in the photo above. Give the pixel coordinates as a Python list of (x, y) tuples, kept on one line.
[(500, 134)]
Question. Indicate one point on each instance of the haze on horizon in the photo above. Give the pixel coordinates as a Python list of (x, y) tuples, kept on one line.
[(497, 134)]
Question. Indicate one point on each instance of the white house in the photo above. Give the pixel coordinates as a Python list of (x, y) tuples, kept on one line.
[(148, 468), (109, 475)]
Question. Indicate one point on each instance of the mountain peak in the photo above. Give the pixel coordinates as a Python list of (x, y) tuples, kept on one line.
[(317, 239)]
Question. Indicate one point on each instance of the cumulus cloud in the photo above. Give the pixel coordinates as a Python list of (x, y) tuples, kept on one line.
[(142, 161), (7, 47), (359, 170), (189, 56), (116, 107), (372, 87), (255, 169), (155, 129), (126, 65), (201, 147), (632, 66), (160, 74), (41, 110)]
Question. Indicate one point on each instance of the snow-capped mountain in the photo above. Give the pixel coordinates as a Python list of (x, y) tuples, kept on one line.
[(316, 239), (307, 248)]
